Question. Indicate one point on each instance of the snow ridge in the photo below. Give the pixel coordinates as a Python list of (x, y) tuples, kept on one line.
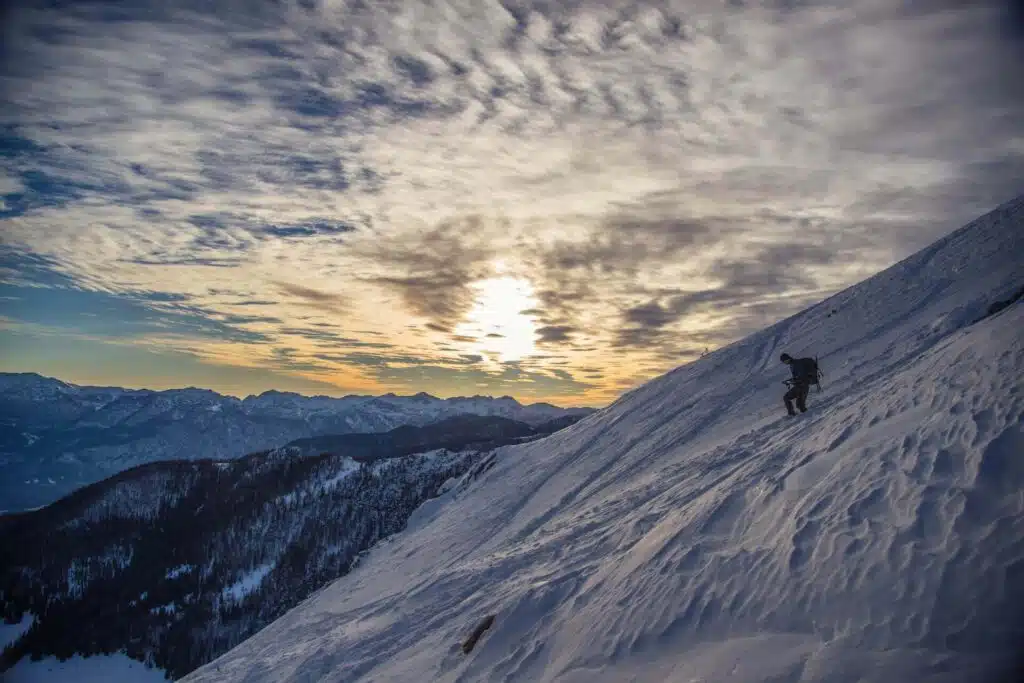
[(692, 531)]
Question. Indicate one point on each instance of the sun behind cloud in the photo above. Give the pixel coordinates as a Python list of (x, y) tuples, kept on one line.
[(556, 201), (503, 331)]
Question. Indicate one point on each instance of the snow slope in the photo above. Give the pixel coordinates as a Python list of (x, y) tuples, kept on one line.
[(11, 632), (692, 532)]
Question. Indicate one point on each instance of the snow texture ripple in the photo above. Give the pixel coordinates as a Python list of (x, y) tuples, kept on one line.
[(693, 532)]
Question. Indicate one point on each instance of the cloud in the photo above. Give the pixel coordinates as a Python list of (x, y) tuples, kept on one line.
[(322, 337), (97, 313), (21, 268), (434, 269), (291, 360), (85, 360), (249, 319), (632, 240), (396, 359), (328, 302), (755, 290), (223, 229), (307, 229), (554, 334), (456, 381), (253, 302), (664, 176)]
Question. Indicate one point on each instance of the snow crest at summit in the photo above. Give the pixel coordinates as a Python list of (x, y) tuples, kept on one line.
[(693, 531)]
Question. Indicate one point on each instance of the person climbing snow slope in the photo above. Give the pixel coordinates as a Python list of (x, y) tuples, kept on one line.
[(805, 373)]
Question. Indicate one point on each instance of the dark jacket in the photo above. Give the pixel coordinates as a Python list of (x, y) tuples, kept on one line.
[(804, 370)]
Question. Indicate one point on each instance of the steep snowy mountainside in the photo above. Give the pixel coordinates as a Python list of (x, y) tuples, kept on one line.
[(693, 532), (55, 436), (189, 557)]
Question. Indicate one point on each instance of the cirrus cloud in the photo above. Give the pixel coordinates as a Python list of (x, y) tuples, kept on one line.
[(666, 176)]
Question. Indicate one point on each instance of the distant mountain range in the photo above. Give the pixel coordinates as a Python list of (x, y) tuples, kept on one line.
[(175, 562), (56, 437)]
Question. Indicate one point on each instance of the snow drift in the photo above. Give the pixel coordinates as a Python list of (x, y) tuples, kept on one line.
[(693, 532)]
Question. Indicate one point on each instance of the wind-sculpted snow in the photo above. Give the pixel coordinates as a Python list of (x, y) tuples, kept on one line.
[(693, 532)]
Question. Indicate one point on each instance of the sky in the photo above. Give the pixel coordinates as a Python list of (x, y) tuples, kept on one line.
[(549, 200)]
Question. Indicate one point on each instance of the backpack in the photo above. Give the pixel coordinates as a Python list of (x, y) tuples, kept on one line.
[(813, 374), (818, 374)]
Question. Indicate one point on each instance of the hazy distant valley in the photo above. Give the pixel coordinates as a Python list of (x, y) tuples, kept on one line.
[(56, 437)]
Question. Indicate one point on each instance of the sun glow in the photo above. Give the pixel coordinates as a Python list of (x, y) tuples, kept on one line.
[(503, 331)]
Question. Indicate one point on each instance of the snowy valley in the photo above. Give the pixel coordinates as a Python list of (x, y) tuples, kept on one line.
[(175, 562), (56, 437), (693, 532)]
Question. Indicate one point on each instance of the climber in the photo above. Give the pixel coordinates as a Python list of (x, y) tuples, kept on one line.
[(805, 373)]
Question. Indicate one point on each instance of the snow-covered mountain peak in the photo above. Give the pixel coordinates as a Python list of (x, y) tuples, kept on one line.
[(59, 436), (694, 532), (32, 386)]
